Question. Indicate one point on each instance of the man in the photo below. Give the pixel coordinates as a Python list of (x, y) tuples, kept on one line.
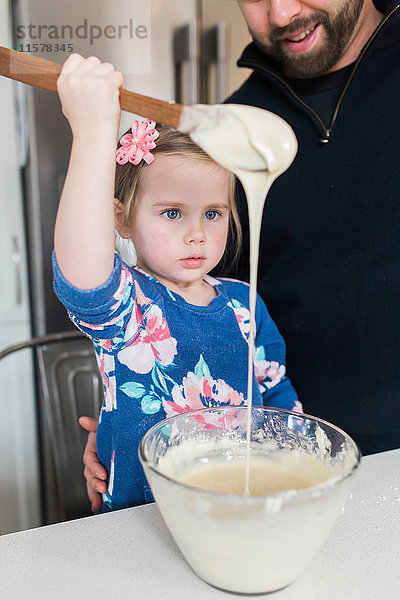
[(329, 266)]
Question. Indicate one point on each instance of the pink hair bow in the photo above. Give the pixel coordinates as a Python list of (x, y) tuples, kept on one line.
[(137, 145)]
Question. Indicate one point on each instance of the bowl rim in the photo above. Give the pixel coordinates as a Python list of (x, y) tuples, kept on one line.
[(283, 497)]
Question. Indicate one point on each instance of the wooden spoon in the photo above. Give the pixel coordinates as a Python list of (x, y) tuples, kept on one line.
[(44, 73)]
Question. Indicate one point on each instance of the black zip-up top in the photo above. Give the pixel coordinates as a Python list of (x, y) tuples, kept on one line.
[(329, 266)]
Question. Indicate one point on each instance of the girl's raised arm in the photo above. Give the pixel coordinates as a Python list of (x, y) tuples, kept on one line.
[(84, 230)]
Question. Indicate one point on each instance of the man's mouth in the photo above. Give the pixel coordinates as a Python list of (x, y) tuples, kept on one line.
[(301, 41), (301, 36)]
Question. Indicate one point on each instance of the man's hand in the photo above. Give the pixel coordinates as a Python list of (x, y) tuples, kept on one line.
[(94, 472)]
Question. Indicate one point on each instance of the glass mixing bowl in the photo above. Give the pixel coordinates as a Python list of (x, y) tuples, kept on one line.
[(244, 543)]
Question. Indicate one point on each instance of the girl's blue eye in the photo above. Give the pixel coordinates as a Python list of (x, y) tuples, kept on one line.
[(211, 215), (171, 213)]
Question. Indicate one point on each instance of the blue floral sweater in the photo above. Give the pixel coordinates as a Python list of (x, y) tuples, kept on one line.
[(158, 356)]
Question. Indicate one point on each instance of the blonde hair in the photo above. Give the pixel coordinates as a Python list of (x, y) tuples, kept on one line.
[(129, 182)]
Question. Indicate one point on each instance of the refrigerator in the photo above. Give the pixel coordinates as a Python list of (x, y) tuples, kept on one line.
[(181, 50), (19, 450)]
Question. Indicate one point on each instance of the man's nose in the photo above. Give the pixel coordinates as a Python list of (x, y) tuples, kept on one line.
[(282, 12), (195, 233)]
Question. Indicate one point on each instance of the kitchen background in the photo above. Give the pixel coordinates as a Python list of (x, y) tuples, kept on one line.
[(182, 50)]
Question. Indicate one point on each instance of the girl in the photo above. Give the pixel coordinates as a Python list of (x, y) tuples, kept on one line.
[(168, 337)]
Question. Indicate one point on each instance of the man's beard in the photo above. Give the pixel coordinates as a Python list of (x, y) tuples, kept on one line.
[(338, 31)]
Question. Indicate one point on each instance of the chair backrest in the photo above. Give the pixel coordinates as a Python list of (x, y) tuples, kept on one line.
[(69, 386)]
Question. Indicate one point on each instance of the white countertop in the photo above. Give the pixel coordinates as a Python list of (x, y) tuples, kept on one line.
[(130, 553)]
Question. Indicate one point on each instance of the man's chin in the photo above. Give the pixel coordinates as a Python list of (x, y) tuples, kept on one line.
[(307, 65), (303, 67)]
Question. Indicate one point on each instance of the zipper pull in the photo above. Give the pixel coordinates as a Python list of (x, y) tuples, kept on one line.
[(326, 139)]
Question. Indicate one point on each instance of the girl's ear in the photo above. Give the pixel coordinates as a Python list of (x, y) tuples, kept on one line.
[(122, 229)]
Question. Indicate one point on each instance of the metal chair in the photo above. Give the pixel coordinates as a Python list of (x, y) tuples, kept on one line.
[(69, 386)]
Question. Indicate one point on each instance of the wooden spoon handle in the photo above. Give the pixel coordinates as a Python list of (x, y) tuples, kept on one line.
[(44, 73)]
